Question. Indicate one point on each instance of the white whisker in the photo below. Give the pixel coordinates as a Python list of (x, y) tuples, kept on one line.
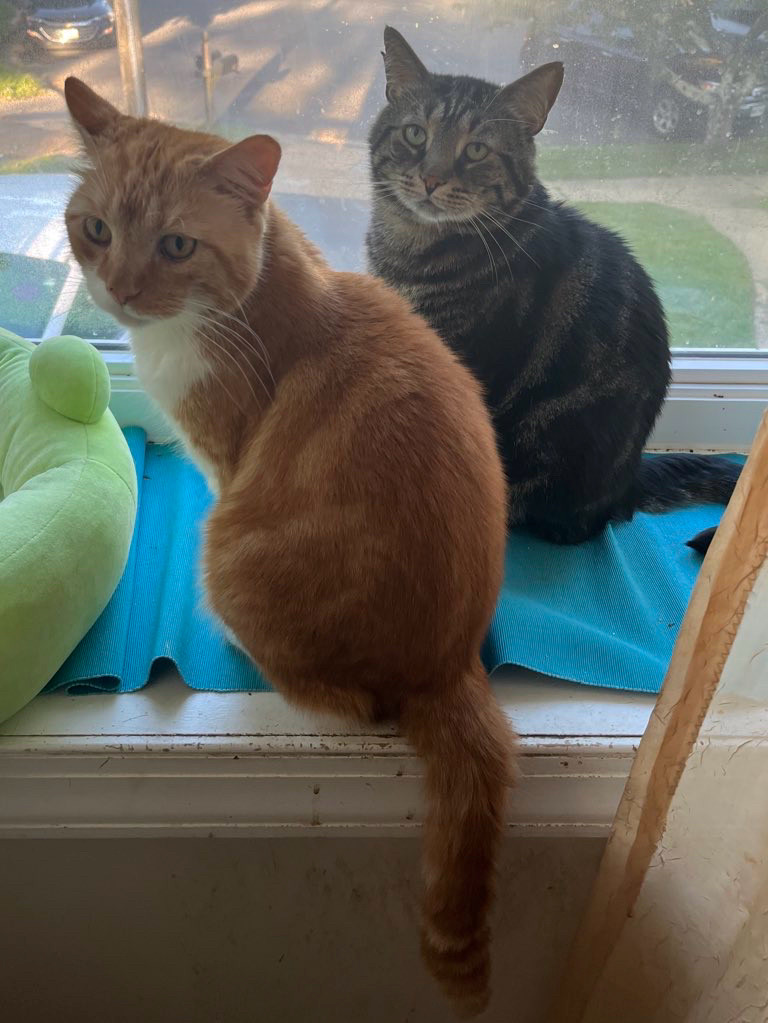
[(510, 120), (217, 361), (263, 353), (220, 347), (239, 342), (223, 334), (511, 237), (518, 220), (480, 235), (500, 248)]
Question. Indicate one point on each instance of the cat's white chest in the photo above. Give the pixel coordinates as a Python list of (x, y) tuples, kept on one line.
[(169, 363)]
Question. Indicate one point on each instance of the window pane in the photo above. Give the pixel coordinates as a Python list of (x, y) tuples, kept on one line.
[(660, 130)]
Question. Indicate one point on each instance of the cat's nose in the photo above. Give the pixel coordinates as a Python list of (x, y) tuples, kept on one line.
[(122, 295), (431, 183)]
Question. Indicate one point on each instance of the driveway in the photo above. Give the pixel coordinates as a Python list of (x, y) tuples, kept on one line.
[(309, 69)]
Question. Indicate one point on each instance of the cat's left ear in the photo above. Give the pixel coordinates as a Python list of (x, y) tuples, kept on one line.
[(533, 96), (247, 169)]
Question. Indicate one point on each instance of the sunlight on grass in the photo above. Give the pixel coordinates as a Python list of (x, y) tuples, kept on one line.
[(651, 159), (703, 279), (18, 84), (55, 163)]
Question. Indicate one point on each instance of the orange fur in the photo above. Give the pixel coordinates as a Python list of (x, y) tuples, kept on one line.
[(356, 546)]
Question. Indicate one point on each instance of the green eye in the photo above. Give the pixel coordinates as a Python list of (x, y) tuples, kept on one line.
[(414, 135), (177, 246), (476, 151), (96, 231)]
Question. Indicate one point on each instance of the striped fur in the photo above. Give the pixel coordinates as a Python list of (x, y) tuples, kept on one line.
[(552, 312)]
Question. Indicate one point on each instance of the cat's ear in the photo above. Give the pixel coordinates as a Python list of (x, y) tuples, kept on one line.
[(532, 97), (93, 115), (247, 169), (402, 67)]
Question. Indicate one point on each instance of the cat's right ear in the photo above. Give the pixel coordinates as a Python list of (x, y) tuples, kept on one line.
[(94, 117), (246, 170), (402, 67)]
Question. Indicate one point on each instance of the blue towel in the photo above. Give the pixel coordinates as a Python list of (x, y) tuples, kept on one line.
[(604, 613)]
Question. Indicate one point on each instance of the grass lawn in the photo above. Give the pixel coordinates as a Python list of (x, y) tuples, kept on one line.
[(704, 280), (56, 163), (652, 159), (86, 320), (16, 84), (29, 288)]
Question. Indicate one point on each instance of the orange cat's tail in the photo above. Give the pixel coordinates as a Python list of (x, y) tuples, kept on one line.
[(466, 743)]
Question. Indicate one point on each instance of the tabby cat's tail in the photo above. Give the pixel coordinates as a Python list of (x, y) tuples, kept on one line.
[(672, 481), (466, 744)]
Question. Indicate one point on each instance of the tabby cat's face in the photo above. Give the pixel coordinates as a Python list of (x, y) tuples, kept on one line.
[(165, 221), (455, 148)]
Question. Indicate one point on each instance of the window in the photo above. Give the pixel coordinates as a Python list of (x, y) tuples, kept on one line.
[(660, 131)]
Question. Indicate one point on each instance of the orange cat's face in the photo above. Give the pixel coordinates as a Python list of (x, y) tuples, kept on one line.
[(165, 221)]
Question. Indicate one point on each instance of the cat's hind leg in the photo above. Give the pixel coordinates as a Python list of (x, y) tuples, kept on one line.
[(577, 529), (565, 521), (353, 703)]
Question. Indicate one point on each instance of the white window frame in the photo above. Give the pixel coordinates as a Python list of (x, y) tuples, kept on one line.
[(715, 401), (170, 762)]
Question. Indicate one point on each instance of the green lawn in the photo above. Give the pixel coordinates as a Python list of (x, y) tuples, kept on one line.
[(15, 84), (652, 159), (29, 289), (56, 163), (704, 280), (86, 320)]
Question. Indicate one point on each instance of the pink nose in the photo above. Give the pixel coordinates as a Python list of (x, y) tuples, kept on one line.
[(431, 183), (122, 295)]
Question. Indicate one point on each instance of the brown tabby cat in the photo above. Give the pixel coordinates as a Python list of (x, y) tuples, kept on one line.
[(355, 549)]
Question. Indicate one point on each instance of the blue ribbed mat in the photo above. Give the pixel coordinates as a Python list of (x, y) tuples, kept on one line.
[(603, 613)]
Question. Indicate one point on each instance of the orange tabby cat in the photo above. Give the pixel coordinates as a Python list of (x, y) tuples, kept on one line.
[(355, 548)]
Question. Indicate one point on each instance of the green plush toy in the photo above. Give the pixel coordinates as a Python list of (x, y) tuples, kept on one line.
[(67, 507)]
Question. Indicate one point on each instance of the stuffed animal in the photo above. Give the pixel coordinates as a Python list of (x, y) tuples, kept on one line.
[(67, 506)]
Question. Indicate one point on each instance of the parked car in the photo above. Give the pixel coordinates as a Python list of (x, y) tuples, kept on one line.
[(65, 26), (610, 70)]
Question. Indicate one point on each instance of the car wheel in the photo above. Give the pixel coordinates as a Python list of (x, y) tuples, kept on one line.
[(667, 115)]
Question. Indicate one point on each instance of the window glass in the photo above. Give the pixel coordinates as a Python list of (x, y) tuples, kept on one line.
[(660, 131)]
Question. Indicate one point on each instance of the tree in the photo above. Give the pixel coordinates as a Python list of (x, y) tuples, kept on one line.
[(739, 75), (663, 29)]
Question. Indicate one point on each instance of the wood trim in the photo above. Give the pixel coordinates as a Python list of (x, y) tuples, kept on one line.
[(709, 628)]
